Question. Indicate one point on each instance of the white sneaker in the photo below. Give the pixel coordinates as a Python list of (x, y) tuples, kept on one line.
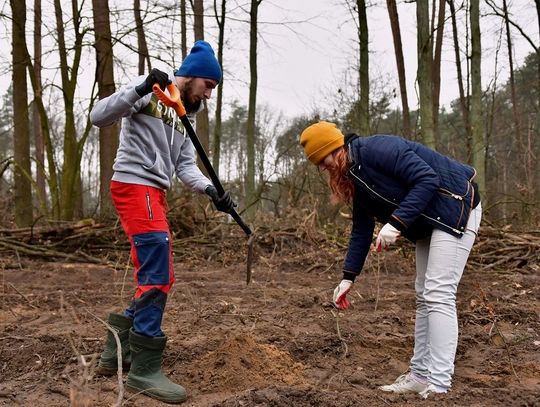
[(432, 389), (406, 383)]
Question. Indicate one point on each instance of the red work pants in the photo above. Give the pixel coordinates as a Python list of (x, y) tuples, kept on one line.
[(143, 213)]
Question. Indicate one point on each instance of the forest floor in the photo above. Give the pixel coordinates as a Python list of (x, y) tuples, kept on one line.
[(275, 342)]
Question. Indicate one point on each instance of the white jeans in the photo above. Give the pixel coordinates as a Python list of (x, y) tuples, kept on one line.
[(440, 261)]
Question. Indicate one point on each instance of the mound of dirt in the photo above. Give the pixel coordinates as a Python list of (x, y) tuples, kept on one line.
[(241, 363)]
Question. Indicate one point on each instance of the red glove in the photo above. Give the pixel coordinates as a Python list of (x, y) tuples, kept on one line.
[(340, 294)]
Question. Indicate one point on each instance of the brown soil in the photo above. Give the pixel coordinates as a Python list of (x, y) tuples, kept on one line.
[(276, 342)]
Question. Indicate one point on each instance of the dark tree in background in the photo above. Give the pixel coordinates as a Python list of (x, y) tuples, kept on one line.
[(203, 123), (39, 143), (363, 69), (252, 105), (108, 136), (477, 126), (400, 64), (216, 140), (142, 47), (424, 72), (21, 125)]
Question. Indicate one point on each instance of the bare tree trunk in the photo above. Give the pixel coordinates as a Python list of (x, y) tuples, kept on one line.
[(36, 119), (108, 136), (462, 99), (216, 142), (504, 209), (424, 75), (198, 18), (69, 172), (530, 162), (437, 66), (363, 72), (537, 150), (183, 29), (70, 186), (52, 178), (203, 123), (252, 106), (477, 127), (515, 115), (142, 47), (21, 125), (398, 50)]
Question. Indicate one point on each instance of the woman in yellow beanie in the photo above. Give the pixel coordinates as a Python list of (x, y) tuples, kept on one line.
[(424, 196)]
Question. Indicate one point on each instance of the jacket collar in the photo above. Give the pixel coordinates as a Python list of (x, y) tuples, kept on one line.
[(353, 144)]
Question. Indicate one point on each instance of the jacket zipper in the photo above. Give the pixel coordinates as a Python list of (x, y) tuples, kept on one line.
[(455, 196), (367, 187), (460, 198), (149, 207), (394, 204)]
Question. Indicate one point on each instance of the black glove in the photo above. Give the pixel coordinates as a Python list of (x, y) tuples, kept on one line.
[(223, 203), (155, 76)]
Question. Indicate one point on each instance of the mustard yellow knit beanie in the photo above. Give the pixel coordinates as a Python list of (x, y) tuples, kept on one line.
[(320, 139)]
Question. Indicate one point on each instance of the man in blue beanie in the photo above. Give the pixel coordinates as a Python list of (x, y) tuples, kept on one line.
[(198, 75), (153, 146)]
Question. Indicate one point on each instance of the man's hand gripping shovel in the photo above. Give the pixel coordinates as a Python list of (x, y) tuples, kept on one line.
[(173, 100)]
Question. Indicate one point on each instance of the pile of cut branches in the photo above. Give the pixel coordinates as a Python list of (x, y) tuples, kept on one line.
[(296, 235), (506, 249), (81, 241)]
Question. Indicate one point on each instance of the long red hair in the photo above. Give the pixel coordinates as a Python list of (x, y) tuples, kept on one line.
[(341, 186)]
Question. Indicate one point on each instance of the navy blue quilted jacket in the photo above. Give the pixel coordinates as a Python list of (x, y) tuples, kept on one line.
[(408, 185)]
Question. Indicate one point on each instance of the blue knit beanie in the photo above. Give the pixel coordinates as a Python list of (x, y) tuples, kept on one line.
[(200, 63)]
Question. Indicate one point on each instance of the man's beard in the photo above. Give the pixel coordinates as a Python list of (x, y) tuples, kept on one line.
[(185, 94)]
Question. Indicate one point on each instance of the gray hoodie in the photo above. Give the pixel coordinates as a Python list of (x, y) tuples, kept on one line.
[(149, 152)]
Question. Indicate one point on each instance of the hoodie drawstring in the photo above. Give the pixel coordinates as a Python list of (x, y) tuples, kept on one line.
[(172, 131)]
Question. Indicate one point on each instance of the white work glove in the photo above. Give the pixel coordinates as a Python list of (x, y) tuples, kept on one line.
[(340, 294), (387, 236)]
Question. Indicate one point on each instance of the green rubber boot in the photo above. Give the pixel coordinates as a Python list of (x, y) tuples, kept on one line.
[(145, 375), (108, 363)]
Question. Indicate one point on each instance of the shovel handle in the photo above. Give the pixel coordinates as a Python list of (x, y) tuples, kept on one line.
[(173, 100), (240, 222)]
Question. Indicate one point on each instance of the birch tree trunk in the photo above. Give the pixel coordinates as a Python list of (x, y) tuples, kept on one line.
[(21, 125)]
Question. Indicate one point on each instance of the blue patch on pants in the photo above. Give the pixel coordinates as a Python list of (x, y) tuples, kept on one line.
[(152, 250), (147, 312)]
